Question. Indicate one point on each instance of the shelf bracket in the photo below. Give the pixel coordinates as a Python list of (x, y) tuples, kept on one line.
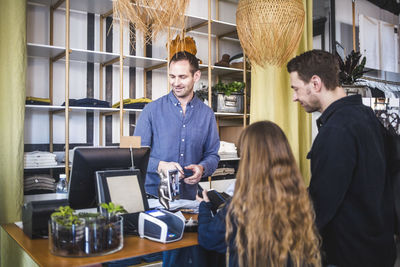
[(195, 27), (110, 62), (60, 56), (105, 15), (155, 67), (108, 113), (227, 34), (59, 111), (58, 4)]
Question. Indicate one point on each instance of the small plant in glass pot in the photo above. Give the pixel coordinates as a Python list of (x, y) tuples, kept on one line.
[(114, 227), (66, 232), (95, 238)]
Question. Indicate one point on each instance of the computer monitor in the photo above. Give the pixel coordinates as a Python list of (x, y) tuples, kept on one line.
[(88, 160)]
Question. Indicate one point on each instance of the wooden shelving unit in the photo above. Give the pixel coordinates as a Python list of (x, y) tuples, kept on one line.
[(212, 28)]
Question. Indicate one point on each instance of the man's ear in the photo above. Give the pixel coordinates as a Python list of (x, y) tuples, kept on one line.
[(316, 83), (197, 75)]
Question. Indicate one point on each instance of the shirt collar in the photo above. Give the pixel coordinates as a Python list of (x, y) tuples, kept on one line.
[(344, 101), (176, 102)]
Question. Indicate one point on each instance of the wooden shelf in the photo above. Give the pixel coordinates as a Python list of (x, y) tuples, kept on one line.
[(102, 109), (143, 62), (58, 166), (228, 114), (46, 51), (224, 71), (89, 6), (76, 108), (81, 55), (228, 159), (218, 28)]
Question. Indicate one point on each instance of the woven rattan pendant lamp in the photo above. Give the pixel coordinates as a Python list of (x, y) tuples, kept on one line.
[(270, 30), (160, 14)]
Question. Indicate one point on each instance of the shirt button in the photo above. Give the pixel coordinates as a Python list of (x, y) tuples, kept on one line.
[(181, 155), (183, 140), (180, 111), (184, 126)]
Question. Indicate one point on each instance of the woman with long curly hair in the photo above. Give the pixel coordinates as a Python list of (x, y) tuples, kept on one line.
[(270, 219)]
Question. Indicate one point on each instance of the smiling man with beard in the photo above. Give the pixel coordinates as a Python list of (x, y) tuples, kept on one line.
[(180, 129)]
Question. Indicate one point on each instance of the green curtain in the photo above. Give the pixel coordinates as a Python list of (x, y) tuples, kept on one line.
[(271, 99), (12, 107)]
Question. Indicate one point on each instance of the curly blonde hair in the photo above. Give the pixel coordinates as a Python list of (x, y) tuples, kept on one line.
[(270, 211)]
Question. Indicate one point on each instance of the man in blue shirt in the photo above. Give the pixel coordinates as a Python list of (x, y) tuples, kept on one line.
[(180, 129), (350, 188)]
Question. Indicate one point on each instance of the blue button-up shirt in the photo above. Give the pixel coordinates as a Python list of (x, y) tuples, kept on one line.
[(190, 138)]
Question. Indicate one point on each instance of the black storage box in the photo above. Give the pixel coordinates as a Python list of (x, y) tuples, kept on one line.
[(36, 214)]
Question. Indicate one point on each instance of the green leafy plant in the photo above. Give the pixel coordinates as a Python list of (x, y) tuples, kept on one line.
[(65, 216), (351, 69), (112, 209), (228, 89), (224, 88)]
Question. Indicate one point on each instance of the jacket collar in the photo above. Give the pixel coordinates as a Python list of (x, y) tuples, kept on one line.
[(338, 104)]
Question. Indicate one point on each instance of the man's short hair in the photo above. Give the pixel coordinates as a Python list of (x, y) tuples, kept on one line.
[(183, 55), (316, 62)]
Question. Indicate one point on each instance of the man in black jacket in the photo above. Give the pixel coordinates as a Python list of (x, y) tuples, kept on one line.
[(351, 192)]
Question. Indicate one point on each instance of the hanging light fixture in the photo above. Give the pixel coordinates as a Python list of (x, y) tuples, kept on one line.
[(270, 30), (152, 16)]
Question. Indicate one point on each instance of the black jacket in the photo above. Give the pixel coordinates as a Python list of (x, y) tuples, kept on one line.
[(352, 195)]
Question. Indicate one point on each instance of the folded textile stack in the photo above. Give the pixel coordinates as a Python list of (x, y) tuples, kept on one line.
[(37, 159), (37, 101), (227, 150), (88, 102), (138, 103), (39, 182), (224, 171)]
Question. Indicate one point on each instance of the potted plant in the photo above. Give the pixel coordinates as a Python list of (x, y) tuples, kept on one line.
[(66, 231), (229, 97), (86, 234), (113, 227), (351, 70), (226, 97), (95, 237)]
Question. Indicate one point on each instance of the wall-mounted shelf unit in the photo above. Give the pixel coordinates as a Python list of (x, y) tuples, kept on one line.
[(213, 29)]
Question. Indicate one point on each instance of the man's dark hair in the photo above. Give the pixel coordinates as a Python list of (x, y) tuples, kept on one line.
[(183, 55), (316, 62)]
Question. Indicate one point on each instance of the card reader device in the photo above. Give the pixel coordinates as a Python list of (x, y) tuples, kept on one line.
[(161, 226)]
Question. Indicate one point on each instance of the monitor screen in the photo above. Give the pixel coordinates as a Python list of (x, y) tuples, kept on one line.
[(88, 160), (122, 187)]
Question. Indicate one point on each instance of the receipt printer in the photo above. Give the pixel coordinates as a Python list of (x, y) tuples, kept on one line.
[(161, 226)]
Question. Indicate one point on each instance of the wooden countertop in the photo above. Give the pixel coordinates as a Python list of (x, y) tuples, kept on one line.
[(134, 246)]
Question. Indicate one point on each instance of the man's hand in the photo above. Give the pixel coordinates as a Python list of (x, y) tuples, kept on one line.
[(164, 167), (197, 173), (205, 197)]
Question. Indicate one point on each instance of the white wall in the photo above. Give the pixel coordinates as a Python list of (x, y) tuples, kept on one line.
[(343, 13)]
